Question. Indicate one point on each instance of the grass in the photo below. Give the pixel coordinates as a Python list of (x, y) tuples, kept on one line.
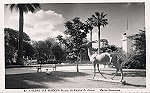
[(26, 77)]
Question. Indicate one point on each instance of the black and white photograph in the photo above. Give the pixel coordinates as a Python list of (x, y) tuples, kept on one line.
[(75, 45)]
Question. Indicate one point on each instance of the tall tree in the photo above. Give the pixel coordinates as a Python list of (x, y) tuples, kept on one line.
[(98, 21), (11, 42), (78, 32), (139, 52), (22, 8)]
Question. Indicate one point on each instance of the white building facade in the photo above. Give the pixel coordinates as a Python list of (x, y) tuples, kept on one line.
[(127, 44)]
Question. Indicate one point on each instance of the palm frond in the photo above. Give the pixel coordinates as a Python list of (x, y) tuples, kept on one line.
[(30, 8), (12, 6), (104, 15), (94, 17), (36, 6), (99, 19), (97, 13), (24, 7)]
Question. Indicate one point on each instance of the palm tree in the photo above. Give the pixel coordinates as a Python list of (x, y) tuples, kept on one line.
[(90, 26), (98, 21), (22, 8)]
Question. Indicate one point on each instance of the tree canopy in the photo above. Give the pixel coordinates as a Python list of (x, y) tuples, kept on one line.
[(48, 50), (138, 56), (78, 32), (11, 44)]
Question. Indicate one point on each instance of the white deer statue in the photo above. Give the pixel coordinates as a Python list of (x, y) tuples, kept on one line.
[(104, 59)]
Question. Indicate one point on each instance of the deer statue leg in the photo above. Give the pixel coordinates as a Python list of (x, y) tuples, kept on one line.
[(39, 68), (94, 70), (54, 67), (99, 71), (121, 75), (115, 73)]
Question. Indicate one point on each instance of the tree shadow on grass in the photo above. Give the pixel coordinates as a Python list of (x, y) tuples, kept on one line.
[(133, 74), (11, 83), (35, 80), (130, 74), (127, 73), (69, 74), (129, 84)]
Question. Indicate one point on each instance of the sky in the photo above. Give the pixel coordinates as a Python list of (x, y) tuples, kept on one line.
[(49, 20)]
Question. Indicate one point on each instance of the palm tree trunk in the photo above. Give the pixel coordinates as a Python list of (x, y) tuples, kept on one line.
[(20, 44), (77, 66), (99, 40), (91, 35)]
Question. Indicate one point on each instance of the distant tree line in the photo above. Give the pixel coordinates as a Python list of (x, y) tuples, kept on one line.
[(40, 50)]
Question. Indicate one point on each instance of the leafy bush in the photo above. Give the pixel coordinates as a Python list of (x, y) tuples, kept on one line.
[(137, 58)]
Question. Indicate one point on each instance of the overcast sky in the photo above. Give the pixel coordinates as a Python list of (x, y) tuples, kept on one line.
[(49, 21)]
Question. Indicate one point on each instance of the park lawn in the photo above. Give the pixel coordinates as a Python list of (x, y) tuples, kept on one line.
[(64, 77)]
